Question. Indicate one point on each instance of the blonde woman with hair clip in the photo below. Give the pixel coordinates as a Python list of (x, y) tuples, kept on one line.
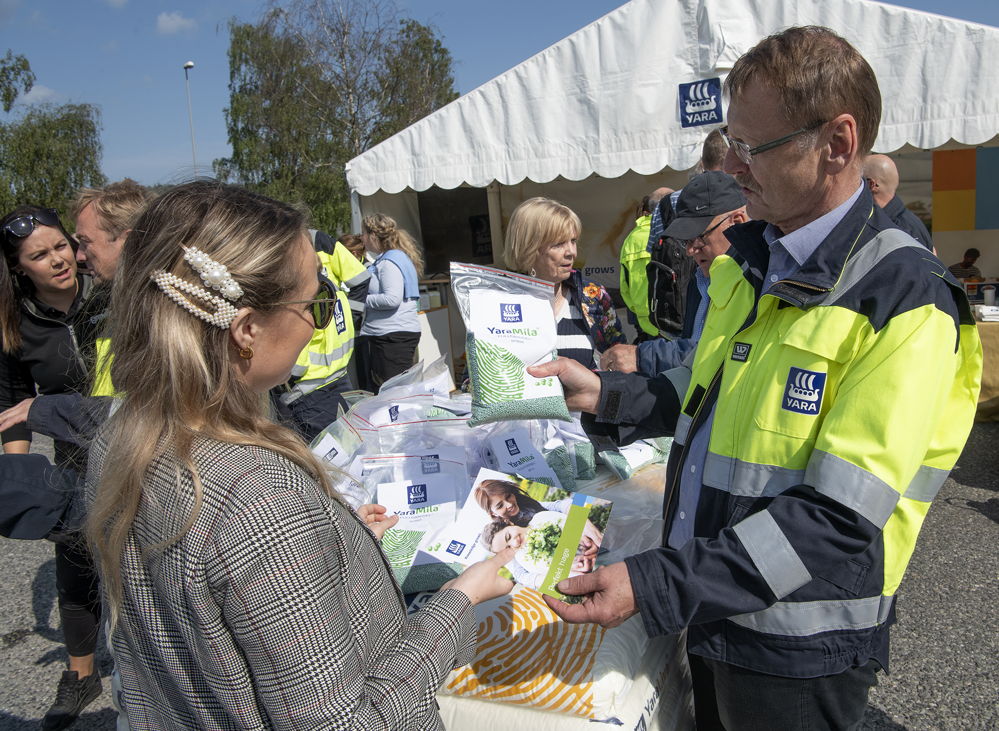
[(242, 591), (391, 327)]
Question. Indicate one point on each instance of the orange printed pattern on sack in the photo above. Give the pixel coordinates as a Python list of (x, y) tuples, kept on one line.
[(527, 656)]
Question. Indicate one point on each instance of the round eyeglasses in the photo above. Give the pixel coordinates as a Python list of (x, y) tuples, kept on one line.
[(697, 243)]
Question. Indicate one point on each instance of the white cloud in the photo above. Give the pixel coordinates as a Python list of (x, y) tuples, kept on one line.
[(170, 23), (116, 3), (38, 94), (7, 9)]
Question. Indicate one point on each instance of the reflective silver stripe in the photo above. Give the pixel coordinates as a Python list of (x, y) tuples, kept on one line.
[(680, 378), (926, 484), (358, 279), (800, 619), (688, 362), (859, 266), (747, 478), (357, 306), (298, 370), (682, 427), (328, 359), (756, 272), (772, 553), (852, 486), (303, 387)]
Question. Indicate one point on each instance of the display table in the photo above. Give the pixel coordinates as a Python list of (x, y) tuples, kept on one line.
[(988, 401)]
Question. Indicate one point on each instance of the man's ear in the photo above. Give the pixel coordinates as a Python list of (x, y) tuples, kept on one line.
[(740, 216), (843, 143)]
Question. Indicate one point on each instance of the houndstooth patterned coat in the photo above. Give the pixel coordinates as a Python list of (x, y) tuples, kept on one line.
[(277, 609)]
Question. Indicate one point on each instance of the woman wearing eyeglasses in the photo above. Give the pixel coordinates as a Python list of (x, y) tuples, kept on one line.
[(45, 322), (243, 591)]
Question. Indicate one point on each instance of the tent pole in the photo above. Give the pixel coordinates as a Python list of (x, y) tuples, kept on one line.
[(496, 223), (355, 212)]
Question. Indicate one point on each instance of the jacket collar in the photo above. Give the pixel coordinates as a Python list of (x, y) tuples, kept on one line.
[(819, 273), (84, 287)]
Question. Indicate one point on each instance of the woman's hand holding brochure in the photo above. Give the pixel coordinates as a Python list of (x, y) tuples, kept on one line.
[(481, 581)]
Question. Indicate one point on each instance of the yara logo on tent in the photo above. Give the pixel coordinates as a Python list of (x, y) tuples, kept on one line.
[(803, 392), (699, 103), (511, 313), (416, 494)]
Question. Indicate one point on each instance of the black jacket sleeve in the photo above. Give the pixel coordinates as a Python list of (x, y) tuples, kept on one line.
[(68, 417)]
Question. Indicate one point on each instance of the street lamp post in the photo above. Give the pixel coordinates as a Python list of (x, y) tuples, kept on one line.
[(190, 65)]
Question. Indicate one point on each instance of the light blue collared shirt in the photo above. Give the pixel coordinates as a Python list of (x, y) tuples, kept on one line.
[(789, 251), (787, 254)]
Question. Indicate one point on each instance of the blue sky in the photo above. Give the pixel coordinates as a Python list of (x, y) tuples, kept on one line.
[(127, 56)]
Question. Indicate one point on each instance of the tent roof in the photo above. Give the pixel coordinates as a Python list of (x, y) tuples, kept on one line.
[(605, 99)]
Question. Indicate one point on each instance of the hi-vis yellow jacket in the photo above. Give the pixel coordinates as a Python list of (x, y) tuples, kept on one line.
[(842, 398), (325, 358)]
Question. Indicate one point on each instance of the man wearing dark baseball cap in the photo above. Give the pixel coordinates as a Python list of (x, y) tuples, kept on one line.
[(708, 205)]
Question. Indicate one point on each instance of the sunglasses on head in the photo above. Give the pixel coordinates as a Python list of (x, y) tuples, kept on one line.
[(322, 305), (23, 226)]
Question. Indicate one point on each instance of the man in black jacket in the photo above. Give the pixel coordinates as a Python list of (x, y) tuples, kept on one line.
[(882, 178)]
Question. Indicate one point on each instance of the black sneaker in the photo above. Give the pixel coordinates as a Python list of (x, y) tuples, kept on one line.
[(72, 697)]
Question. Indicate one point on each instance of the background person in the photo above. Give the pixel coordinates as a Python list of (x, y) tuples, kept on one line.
[(541, 241), (707, 207), (966, 269), (882, 178), (230, 563), (634, 260), (391, 327), (44, 320), (311, 398)]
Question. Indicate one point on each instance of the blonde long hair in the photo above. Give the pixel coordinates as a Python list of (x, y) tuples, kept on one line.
[(175, 371), (390, 236), (536, 223)]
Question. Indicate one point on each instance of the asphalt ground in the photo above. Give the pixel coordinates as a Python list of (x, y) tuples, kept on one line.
[(944, 654)]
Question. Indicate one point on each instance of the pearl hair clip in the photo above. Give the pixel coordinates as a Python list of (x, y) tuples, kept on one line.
[(214, 276)]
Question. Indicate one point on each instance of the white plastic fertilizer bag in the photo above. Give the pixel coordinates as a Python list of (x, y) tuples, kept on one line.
[(510, 325)]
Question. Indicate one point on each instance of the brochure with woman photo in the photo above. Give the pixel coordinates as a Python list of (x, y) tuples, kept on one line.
[(557, 533)]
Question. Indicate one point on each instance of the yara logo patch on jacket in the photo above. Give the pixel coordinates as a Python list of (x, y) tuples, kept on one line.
[(803, 392), (511, 313)]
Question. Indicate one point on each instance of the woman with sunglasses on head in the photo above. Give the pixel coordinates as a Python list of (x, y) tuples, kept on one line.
[(45, 324), (391, 327), (243, 591)]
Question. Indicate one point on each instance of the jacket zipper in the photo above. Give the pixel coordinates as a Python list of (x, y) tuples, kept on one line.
[(683, 452)]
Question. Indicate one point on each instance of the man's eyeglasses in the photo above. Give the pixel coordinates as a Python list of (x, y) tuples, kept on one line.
[(745, 153), (322, 305), (697, 243), (22, 226)]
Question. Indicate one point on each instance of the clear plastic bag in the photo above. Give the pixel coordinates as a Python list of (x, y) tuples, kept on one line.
[(510, 326)]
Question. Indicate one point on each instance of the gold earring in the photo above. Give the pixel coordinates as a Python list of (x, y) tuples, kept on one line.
[(246, 353)]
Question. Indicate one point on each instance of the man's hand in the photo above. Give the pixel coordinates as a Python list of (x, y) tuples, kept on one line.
[(622, 358), (608, 598), (581, 385), (15, 414), (377, 520)]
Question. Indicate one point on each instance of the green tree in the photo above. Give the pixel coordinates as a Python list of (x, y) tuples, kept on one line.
[(49, 152), (416, 79), (315, 83), (279, 146), (15, 73)]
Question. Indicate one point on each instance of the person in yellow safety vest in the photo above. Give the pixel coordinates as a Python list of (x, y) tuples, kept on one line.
[(634, 259), (830, 395), (309, 401)]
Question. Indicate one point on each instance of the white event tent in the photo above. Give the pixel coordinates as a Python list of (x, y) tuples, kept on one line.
[(595, 120)]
